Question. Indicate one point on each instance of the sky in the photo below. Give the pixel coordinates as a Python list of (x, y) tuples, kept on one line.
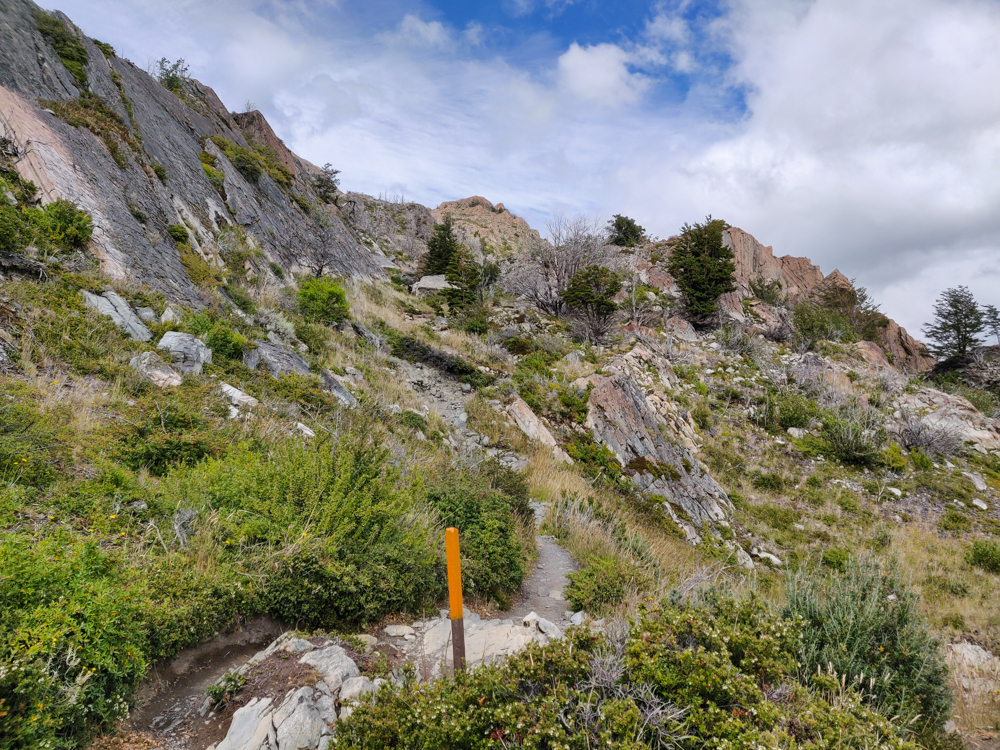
[(863, 134)]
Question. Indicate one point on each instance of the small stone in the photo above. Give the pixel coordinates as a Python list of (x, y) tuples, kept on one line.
[(466, 388), (398, 631), (395, 409), (980, 504), (369, 642), (530, 619), (895, 491), (548, 628), (542, 591), (409, 637), (796, 432), (304, 431), (579, 618)]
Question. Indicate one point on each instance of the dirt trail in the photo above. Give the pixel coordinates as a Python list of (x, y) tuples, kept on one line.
[(542, 591)]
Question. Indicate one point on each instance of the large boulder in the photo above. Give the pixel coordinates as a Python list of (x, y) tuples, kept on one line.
[(113, 306), (186, 352), (622, 419), (429, 285), (276, 359), (949, 414), (532, 426), (155, 370)]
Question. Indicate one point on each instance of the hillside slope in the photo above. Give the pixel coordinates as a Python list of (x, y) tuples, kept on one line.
[(130, 152)]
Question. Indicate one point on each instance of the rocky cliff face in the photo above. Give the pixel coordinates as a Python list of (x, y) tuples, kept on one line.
[(124, 148), (483, 226), (799, 279)]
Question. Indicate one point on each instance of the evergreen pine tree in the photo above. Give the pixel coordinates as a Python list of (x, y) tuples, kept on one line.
[(991, 317), (441, 249), (625, 231), (958, 321), (702, 267)]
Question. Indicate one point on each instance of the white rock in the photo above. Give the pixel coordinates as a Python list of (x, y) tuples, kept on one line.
[(249, 727), (354, 688), (976, 479), (295, 645), (333, 664), (797, 432), (980, 504), (304, 431), (398, 631), (548, 628), (430, 285), (147, 315), (171, 314), (298, 722), (532, 426), (369, 642), (530, 619), (155, 370), (187, 353), (895, 491), (238, 398), (578, 618)]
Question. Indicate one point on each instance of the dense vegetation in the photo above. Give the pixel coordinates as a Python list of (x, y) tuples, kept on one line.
[(713, 670)]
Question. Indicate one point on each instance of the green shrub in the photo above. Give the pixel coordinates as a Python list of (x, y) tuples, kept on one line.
[(323, 300), (954, 520), (106, 49), (59, 227), (492, 565), (314, 335), (775, 517), (241, 299), (225, 342), (705, 673), (768, 482), (835, 558), (603, 582), (984, 554), (303, 204), (255, 161), (414, 350), (894, 459), (863, 621), (226, 688), (277, 270), (216, 178), (702, 266), (69, 49), (595, 459), (160, 171), (921, 461), (413, 420), (794, 410), (178, 232), (33, 443), (168, 435), (90, 112)]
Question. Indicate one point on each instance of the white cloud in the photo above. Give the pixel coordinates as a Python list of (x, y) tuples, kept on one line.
[(600, 74), (871, 140)]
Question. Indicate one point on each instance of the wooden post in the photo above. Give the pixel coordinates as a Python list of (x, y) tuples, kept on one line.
[(455, 597)]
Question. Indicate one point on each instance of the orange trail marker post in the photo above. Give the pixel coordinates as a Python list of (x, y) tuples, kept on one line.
[(455, 597)]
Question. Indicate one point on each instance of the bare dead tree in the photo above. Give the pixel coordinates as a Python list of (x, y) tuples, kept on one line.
[(546, 271)]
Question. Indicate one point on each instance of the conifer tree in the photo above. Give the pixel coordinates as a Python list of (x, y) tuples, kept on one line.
[(702, 267), (958, 321), (442, 249), (991, 317), (625, 231)]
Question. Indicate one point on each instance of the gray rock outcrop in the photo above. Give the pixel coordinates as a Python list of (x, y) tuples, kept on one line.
[(132, 206), (621, 419), (187, 353), (111, 305), (279, 360)]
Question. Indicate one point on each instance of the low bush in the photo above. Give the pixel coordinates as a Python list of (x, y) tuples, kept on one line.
[(492, 565), (855, 434), (604, 582), (166, 436), (984, 554), (768, 482), (954, 520), (323, 300), (712, 672), (225, 342), (864, 621)]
